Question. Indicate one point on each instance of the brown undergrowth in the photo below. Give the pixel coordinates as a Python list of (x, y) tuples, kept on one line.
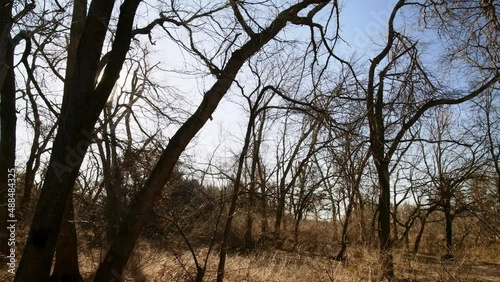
[(150, 263), (167, 259)]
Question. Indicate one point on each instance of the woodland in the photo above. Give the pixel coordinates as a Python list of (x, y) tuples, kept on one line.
[(245, 140)]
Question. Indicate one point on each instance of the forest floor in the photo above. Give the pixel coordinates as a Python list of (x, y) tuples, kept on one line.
[(159, 263), (149, 264)]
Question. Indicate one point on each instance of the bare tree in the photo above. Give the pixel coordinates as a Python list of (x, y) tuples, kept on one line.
[(9, 15), (7, 117), (305, 198), (351, 158), (73, 134), (120, 250), (487, 121), (257, 136), (385, 91), (254, 108), (128, 176), (452, 165)]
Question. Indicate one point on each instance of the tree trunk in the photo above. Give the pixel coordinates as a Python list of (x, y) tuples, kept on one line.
[(334, 209), (498, 186), (448, 230), (361, 209), (234, 200), (334, 217), (345, 227), (283, 187), (373, 227), (7, 123), (33, 163), (377, 142), (384, 221), (395, 225), (423, 222), (29, 179), (82, 103), (66, 266), (264, 217), (279, 214), (416, 245), (110, 165), (251, 202), (249, 224), (249, 242), (5, 29), (117, 186), (296, 228)]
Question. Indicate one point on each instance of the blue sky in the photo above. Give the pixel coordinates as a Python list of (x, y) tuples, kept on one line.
[(361, 22)]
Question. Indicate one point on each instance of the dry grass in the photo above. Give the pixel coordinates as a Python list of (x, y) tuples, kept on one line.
[(151, 264), (307, 262)]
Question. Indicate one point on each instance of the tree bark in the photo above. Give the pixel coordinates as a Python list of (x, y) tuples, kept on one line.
[(33, 160), (362, 221), (384, 220), (66, 263), (66, 266), (418, 239), (423, 222), (253, 183), (5, 29), (7, 119), (264, 216), (279, 214), (448, 229), (345, 227), (300, 207)]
